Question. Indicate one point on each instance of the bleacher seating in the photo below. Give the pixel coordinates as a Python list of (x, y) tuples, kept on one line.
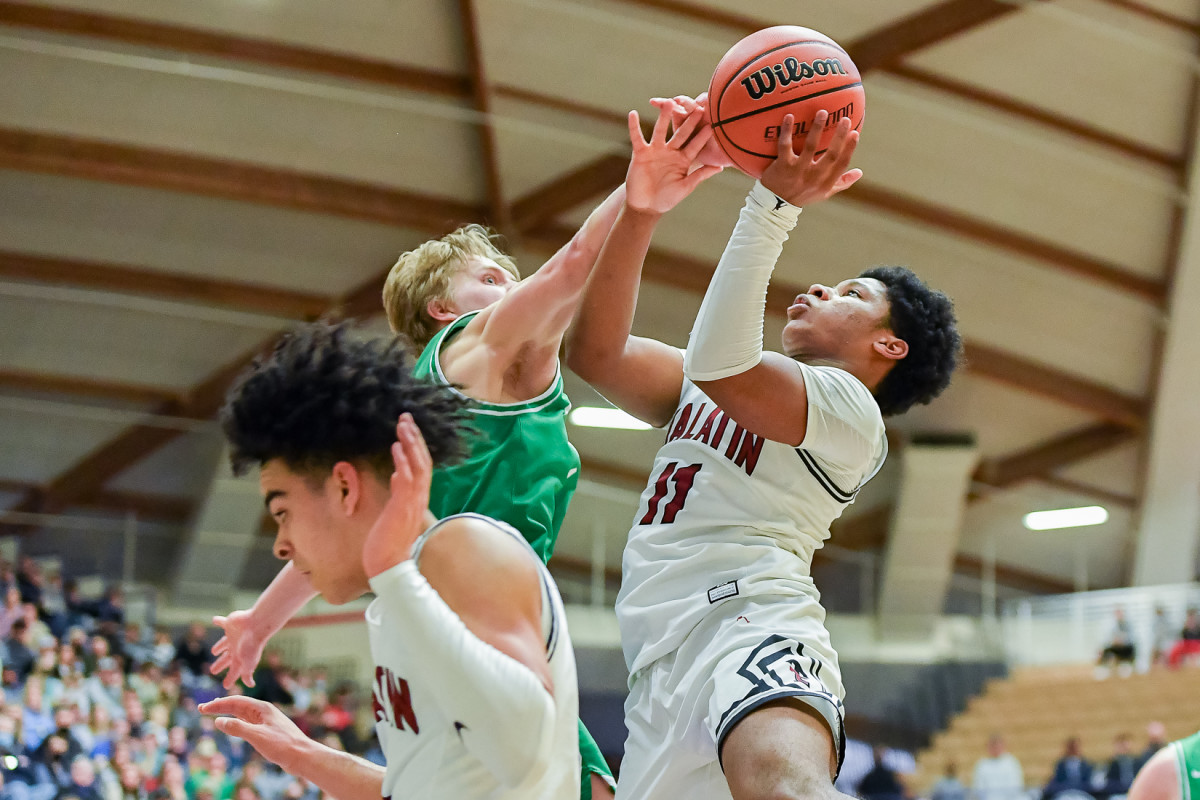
[(1038, 709)]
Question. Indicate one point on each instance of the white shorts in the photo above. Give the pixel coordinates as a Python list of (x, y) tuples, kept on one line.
[(680, 708)]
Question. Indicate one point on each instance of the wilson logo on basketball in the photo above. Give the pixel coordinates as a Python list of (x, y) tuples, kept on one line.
[(789, 71)]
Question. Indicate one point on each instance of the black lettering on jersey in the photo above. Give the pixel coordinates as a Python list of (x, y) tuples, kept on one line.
[(392, 701)]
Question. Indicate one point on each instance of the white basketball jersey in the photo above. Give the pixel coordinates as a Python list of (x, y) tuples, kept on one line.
[(425, 750), (727, 513)]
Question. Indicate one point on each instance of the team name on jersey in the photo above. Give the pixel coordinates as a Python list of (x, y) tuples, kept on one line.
[(710, 426), (392, 701)]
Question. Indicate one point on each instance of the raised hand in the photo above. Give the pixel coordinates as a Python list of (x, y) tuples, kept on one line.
[(711, 154), (239, 650), (404, 516), (262, 725), (804, 178), (663, 170)]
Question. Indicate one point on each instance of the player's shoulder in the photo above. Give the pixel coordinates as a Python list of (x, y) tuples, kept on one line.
[(838, 393), (476, 547)]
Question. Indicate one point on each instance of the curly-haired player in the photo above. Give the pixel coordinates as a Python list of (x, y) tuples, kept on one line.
[(734, 687), (475, 693)]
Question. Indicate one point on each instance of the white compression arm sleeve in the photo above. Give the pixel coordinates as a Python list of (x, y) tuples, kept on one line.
[(508, 713), (727, 338)]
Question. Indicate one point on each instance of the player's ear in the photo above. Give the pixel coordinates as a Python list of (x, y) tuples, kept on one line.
[(890, 346), (441, 309), (345, 483)]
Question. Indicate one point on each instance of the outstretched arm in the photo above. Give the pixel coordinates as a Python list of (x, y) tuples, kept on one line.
[(642, 376), (247, 632), (278, 740), (764, 392)]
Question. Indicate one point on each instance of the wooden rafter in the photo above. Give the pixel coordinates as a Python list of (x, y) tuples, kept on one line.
[(498, 210), (892, 43), (947, 220), (1030, 376), (274, 300), (1013, 577), (1046, 457), (1156, 14), (149, 507), (227, 45), (160, 169), (45, 383), (1088, 490), (591, 181), (1031, 113)]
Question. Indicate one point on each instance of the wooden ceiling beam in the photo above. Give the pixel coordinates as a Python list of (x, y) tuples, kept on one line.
[(594, 179), (927, 27), (978, 231), (160, 169), (1155, 14), (1031, 113), (227, 45), (1088, 490), (499, 214), (23, 380), (1013, 577), (273, 300), (1045, 458), (1031, 376)]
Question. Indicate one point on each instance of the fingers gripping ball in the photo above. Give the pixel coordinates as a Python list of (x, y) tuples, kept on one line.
[(776, 71)]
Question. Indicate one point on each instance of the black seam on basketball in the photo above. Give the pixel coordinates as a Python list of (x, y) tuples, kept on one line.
[(725, 88), (788, 102)]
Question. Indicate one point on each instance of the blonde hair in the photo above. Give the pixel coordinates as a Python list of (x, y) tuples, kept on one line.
[(423, 274)]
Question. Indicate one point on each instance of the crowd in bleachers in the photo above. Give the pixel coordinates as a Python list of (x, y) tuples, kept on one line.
[(1171, 645), (93, 707)]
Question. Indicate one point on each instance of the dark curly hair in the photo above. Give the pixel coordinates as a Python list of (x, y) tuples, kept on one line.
[(325, 394), (924, 318)]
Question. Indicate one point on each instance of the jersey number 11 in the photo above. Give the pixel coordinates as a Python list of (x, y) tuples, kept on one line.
[(682, 477)]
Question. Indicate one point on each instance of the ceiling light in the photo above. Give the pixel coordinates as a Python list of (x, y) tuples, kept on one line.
[(591, 417), (1066, 518)]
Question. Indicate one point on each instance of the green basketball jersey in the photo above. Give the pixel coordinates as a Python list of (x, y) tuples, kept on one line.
[(519, 469), (1187, 756)]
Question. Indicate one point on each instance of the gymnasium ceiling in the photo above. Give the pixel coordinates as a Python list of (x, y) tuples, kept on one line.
[(179, 181)]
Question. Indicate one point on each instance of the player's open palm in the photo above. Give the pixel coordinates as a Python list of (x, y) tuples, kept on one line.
[(663, 170), (262, 725), (403, 518), (807, 177), (239, 650)]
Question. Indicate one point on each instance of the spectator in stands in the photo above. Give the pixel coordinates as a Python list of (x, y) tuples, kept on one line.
[(269, 678), (18, 652), (998, 775), (192, 652), (948, 787), (54, 605), (172, 782), (132, 785), (60, 743), (80, 612), (29, 581), (36, 720), (106, 687), (882, 782), (110, 613), (82, 783), (1162, 636), (1120, 649), (1189, 639), (1156, 739), (1117, 776), (1071, 773), (11, 611), (39, 632), (162, 650)]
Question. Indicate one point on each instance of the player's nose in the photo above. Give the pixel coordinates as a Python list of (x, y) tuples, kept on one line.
[(283, 550), (820, 292)]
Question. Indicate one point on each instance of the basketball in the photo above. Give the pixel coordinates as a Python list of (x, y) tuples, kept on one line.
[(776, 71)]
